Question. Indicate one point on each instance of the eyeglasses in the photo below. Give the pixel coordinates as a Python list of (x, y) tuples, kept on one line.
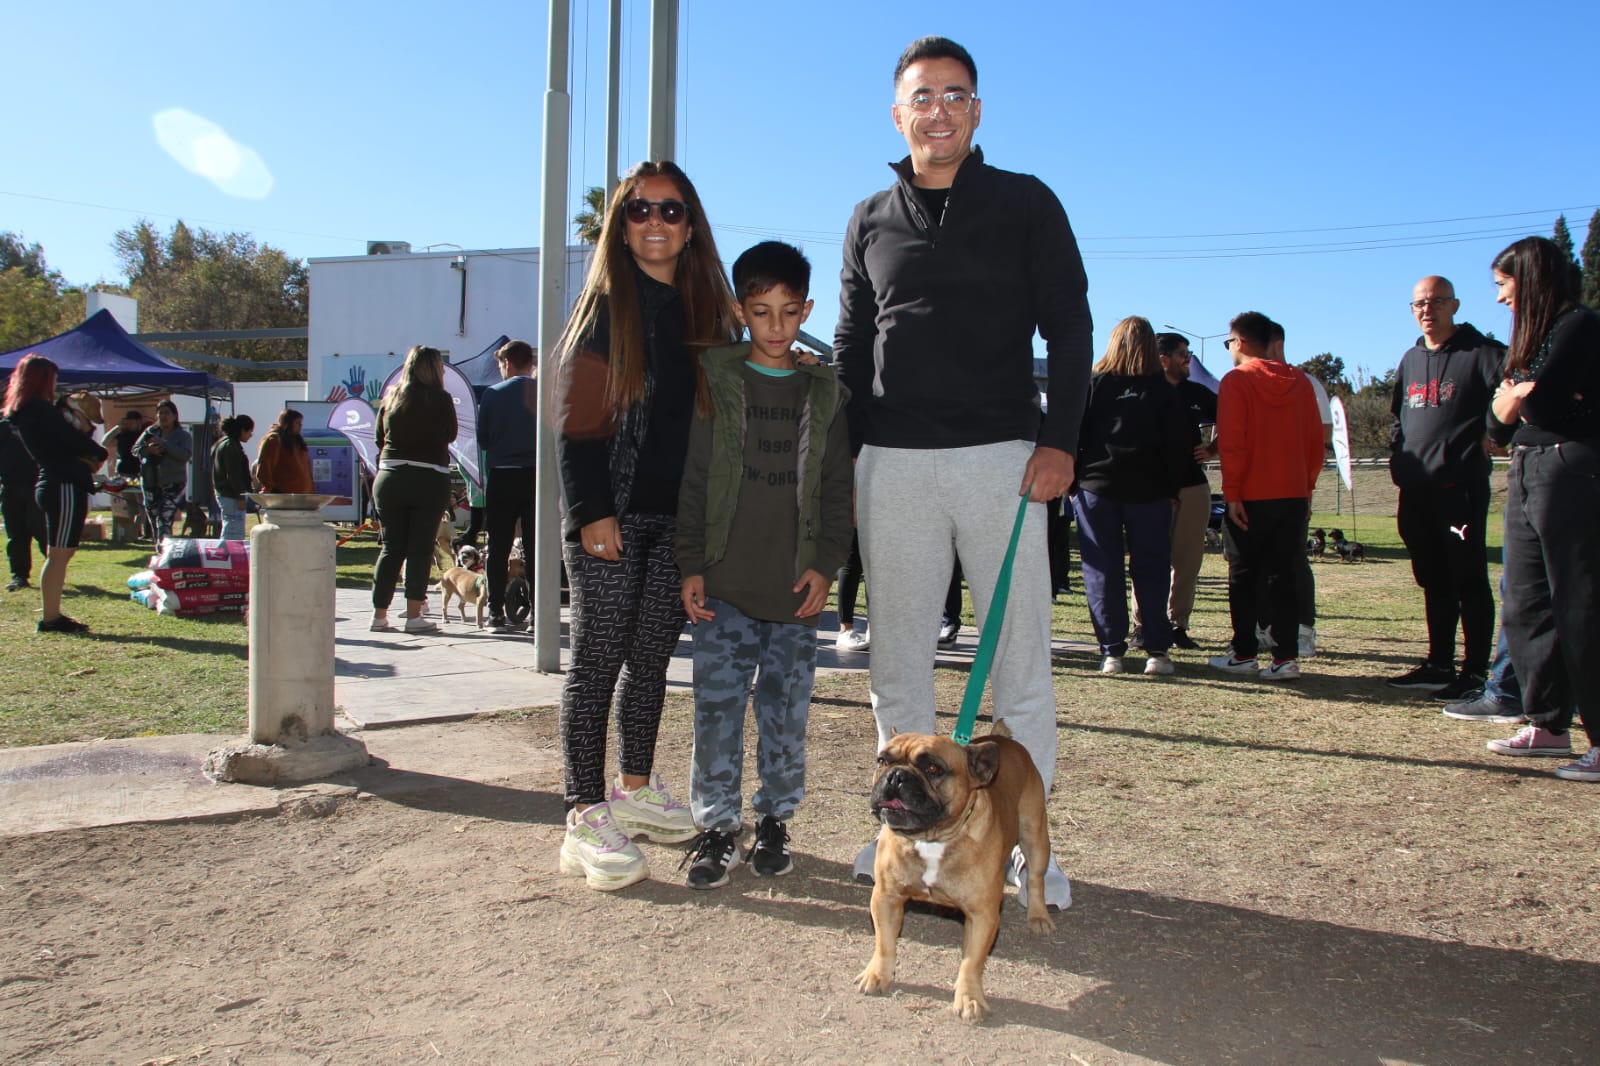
[(956, 102), (638, 211), (1436, 301), (1228, 344)]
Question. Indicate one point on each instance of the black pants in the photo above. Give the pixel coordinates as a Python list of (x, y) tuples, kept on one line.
[(24, 523), (411, 502), (626, 618), (1552, 558), (850, 583), (508, 499), (1267, 553), (1443, 530)]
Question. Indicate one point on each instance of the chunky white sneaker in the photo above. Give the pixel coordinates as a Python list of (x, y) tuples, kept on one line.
[(865, 868), (597, 848), (1231, 665), (1111, 665), (421, 624), (1057, 889), (852, 640), (651, 811), (1158, 664)]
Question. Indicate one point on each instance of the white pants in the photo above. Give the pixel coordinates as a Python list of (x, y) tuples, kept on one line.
[(915, 511)]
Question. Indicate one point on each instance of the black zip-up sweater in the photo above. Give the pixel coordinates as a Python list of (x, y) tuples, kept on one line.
[(937, 315), (1563, 406), (1441, 410), (58, 448)]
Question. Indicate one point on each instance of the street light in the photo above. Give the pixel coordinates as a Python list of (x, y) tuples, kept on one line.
[(1198, 337)]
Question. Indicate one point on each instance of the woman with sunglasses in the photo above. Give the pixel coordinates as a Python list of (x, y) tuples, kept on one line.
[(628, 386), (1550, 399)]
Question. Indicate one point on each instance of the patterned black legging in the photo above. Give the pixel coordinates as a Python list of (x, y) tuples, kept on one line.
[(626, 619), (162, 504)]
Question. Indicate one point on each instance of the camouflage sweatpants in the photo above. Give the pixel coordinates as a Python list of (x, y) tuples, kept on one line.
[(782, 657)]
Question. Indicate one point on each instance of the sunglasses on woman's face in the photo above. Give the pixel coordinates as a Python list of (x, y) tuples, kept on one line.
[(638, 211)]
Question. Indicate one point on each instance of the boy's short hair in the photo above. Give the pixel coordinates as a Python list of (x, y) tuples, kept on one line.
[(515, 353), (1254, 327), (1169, 343), (768, 265), (935, 48)]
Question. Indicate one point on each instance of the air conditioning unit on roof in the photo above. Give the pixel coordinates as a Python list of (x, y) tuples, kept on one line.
[(388, 247)]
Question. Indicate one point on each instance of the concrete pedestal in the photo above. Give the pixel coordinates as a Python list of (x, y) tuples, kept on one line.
[(292, 737)]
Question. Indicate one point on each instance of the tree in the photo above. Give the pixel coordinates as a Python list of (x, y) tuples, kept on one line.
[(1563, 238), (35, 302), (198, 280), (1368, 415), (592, 216), (1328, 369), (1591, 263)]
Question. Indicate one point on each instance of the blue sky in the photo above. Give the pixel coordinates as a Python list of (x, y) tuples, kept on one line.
[(1309, 161)]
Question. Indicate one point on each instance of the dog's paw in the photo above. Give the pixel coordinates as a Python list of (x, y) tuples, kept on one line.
[(873, 982), (970, 1006), (1042, 923)]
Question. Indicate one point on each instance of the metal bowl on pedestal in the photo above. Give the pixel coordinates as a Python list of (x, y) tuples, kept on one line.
[(291, 501)]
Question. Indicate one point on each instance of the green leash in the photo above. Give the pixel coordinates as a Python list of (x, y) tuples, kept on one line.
[(991, 633)]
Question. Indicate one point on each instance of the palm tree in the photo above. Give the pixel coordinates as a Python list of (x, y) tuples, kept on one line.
[(593, 214)]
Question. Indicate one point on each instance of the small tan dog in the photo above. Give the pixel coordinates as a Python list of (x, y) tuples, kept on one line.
[(951, 816), (467, 587)]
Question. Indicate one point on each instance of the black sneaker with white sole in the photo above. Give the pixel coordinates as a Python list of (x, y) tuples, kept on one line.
[(713, 854), (1427, 676), (1182, 639), (770, 857)]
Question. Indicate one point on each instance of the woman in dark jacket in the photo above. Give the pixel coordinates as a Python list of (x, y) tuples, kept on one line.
[(1132, 454), (164, 448), (416, 423), (230, 473), (628, 386), (67, 459), (1550, 399)]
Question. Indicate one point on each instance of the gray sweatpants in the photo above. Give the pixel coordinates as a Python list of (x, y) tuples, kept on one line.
[(915, 510)]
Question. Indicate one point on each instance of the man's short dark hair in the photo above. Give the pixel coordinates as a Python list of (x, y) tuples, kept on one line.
[(1254, 327), (134, 415), (769, 264), (1277, 331), (936, 48), (516, 353), (1169, 343)]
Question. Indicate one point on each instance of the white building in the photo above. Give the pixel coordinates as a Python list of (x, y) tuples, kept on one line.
[(367, 310)]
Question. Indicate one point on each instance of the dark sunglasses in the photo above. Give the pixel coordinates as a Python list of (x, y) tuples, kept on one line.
[(638, 211)]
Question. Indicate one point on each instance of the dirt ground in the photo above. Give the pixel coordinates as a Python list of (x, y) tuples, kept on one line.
[(1368, 907)]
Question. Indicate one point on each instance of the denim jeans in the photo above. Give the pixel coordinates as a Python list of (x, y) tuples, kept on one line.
[(1502, 685), (232, 508)]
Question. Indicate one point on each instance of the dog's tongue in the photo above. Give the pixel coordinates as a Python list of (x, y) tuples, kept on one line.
[(892, 805)]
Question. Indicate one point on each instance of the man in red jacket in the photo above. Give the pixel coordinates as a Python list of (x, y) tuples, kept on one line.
[(1269, 437)]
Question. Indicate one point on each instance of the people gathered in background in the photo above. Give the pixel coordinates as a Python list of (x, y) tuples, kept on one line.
[(163, 450), (230, 476)]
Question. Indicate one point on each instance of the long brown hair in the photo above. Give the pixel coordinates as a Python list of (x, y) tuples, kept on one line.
[(1545, 288), (292, 439), (1131, 350), (707, 300), (33, 378)]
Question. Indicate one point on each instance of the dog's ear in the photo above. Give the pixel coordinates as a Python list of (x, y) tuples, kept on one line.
[(983, 762)]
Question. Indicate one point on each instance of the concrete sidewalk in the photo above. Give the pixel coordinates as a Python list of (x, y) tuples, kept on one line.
[(382, 681)]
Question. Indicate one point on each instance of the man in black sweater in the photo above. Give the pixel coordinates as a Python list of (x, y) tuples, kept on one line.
[(947, 275), (1441, 405)]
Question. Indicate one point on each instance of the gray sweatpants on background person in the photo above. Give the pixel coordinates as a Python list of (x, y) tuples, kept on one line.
[(916, 510)]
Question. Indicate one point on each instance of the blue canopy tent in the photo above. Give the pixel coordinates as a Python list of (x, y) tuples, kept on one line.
[(481, 370), (100, 356)]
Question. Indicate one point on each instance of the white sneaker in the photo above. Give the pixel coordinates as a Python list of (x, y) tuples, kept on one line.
[(381, 623), (1288, 670), (1232, 665), (651, 811), (596, 847), (852, 640), (865, 869), (1057, 889), (421, 624), (1158, 664), (1111, 665), (1308, 642)]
